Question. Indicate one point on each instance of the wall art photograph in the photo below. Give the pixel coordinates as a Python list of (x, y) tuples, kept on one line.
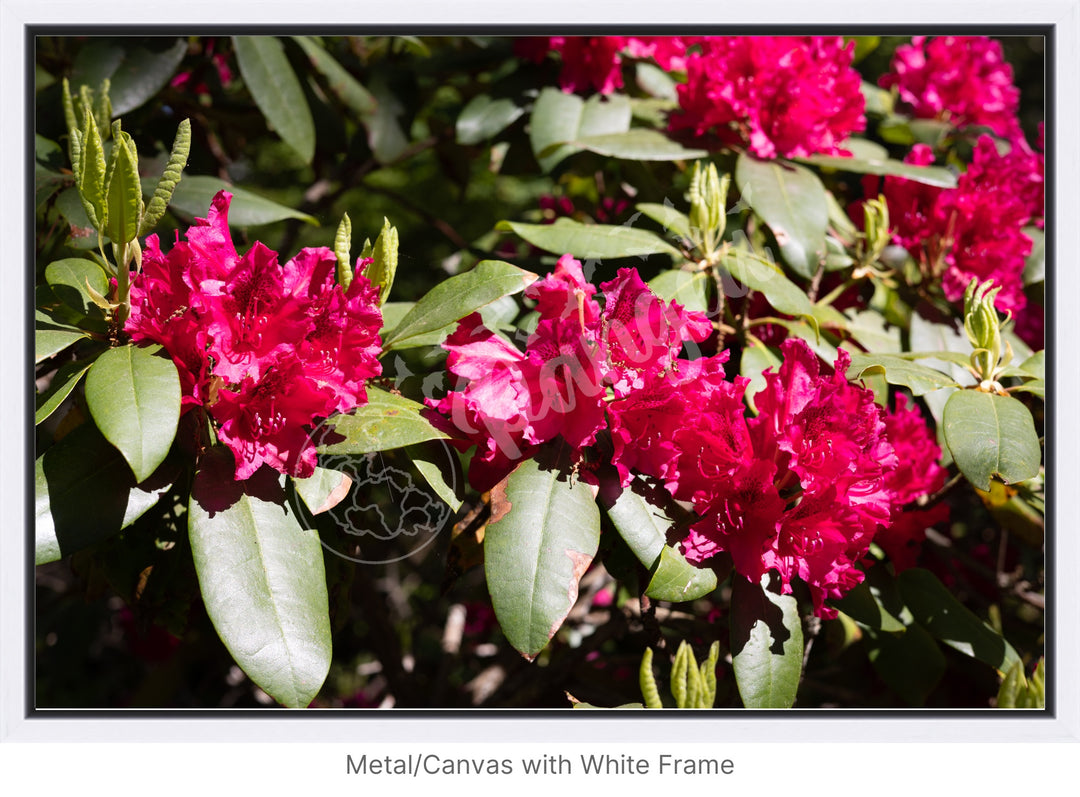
[(472, 372)]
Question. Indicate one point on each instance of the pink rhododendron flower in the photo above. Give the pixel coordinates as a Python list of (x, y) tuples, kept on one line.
[(266, 349), (974, 230), (589, 62), (508, 401), (780, 96), (669, 52), (964, 80)]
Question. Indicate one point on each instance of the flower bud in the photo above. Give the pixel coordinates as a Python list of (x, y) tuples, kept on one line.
[(983, 326), (708, 200)]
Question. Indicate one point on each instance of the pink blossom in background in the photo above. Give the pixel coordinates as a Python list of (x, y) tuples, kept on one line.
[(963, 80), (589, 62), (266, 349), (779, 96)]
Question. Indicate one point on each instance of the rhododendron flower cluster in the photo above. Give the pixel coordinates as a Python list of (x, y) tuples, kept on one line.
[(964, 80), (976, 229), (266, 349), (780, 96), (802, 488), (513, 400)]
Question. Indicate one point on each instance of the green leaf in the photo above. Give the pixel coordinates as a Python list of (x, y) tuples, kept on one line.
[(1036, 387), (385, 259), (344, 86), (991, 436), (1035, 365), (124, 189), (639, 144), (387, 421), (866, 608), (432, 468), (323, 489), (69, 279), (928, 175), (169, 179), (791, 200), (920, 379), (644, 528), (386, 138), (195, 193), (456, 298), (50, 340), (65, 380), (90, 177), (276, 90), (765, 277), (591, 241), (936, 609), (755, 359), (134, 398), (1035, 265), (84, 493), (766, 644), (558, 117), (687, 288), (911, 664), (542, 537), (484, 118), (655, 81), (343, 252), (670, 219), (142, 74), (262, 580)]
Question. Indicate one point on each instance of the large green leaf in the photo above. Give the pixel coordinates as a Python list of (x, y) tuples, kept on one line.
[(72, 280), (930, 175), (484, 118), (84, 493), (766, 278), (276, 91), (935, 608), (640, 144), (899, 371), (65, 380), (543, 535), (194, 193), (863, 606), (688, 288), (991, 436), (124, 190), (911, 664), (134, 398), (558, 117), (670, 219), (791, 200), (591, 241), (766, 644), (347, 88), (387, 421), (644, 528), (455, 298), (50, 339), (142, 74), (262, 580)]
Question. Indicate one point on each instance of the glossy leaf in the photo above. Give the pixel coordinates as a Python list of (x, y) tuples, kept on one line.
[(672, 220), (990, 437), (276, 90), (644, 528), (90, 175), (928, 175), (543, 535), (935, 608), (455, 298), (920, 379), (558, 117), (866, 608), (84, 493), (766, 644), (66, 379), (911, 664), (591, 241), (484, 118), (345, 87), (387, 421), (688, 288), (765, 277), (124, 189), (640, 144), (791, 200), (50, 339), (448, 486), (73, 278), (142, 74), (322, 490), (194, 194), (262, 580), (134, 398)]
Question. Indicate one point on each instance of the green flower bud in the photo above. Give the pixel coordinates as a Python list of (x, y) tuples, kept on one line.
[(983, 327), (708, 207)]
